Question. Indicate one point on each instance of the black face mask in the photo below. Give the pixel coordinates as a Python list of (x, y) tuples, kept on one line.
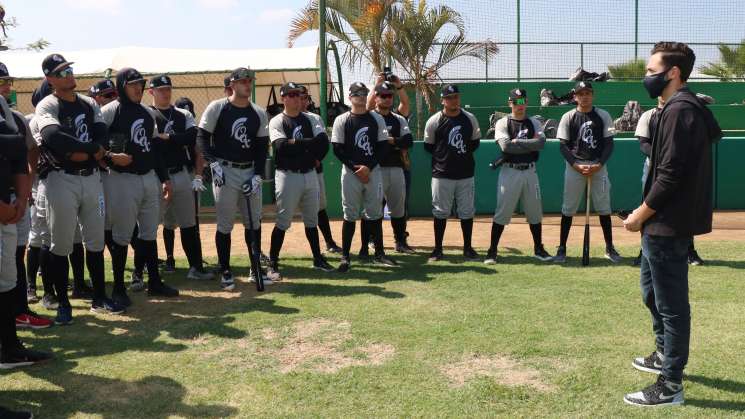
[(656, 83)]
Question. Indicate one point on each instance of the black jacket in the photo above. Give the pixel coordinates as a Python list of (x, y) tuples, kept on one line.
[(680, 183)]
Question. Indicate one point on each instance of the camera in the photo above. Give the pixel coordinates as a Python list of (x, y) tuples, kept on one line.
[(388, 74)]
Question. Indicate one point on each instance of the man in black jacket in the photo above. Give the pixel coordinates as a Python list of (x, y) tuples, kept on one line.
[(678, 204)]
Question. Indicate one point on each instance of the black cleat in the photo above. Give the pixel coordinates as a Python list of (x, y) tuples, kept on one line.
[(344, 265), (403, 247), (169, 267), (612, 255), (470, 254), (120, 297), (364, 255), (21, 357), (541, 254), (82, 292), (160, 289), (107, 306), (384, 260), (561, 255), (322, 264), (436, 256), (333, 248), (15, 414)]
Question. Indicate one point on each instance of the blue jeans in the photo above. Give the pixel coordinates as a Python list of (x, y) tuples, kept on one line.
[(664, 286)]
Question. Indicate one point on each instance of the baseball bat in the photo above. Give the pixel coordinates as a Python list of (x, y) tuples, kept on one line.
[(586, 243), (256, 259)]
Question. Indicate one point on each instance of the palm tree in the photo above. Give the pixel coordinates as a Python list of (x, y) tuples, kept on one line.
[(361, 25), (419, 44), (630, 70), (731, 66)]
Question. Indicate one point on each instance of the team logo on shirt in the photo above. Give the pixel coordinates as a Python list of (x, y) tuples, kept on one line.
[(240, 133), (455, 140), (139, 135), (168, 129), (297, 132), (81, 129), (362, 141), (522, 134), (585, 134)]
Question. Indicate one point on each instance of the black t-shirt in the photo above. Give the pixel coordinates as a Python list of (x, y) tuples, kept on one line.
[(11, 165), (403, 140), (174, 122), (295, 156), (521, 129), (451, 140), (75, 119), (360, 135), (584, 133), (136, 124), (235, 131)]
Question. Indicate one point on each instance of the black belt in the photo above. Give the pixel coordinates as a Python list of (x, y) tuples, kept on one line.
[(81, 172), (174, 170), (237, 165), (520, 166), (301, 171), (134, 172)]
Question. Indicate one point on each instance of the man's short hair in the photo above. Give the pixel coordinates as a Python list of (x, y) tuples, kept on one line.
[(676, 54)]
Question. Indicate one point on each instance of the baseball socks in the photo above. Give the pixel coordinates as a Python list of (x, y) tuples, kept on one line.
[(366, 235), (118, 261), (347, 233), (496, 234), (376, 227), (439, 226), (325, 227), (466, 227), (610, 251), (59, 268), (222, 243), (155, 286), (169, 237), (80, 289), (536, 230)]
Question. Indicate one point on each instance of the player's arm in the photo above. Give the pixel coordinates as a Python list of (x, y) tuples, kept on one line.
[(609, 131), (380, 147), (430, 132), (338, 142), (645, 146), (188, 138), (406, 140), (562, 134), (21, 183), (404, 107), (537, 142), (643, 135), (261, 142), (502, 136), (371, 94), (320, 141), (476, 136)]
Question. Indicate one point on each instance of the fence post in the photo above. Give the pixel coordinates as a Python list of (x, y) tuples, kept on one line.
[(486, 63), (582, 55), (322, 41), (636, 29), (518, 41)]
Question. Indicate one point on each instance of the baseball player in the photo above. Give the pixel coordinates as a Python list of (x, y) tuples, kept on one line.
[(14, 126), (233, 137), (13, 174), (521, 139), (451, 136), (103, 92), (360, 141), (586, 136), (323, 218), (73, 135), (298, 140), (392, 166), (179, 134), (137, 180), (39, 240)]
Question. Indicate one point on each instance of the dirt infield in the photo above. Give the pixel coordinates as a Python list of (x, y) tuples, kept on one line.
[(728, 226)]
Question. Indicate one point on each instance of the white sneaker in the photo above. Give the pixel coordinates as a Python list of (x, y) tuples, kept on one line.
[(226, 281), (197, 275), (267, 280), (138, 283)]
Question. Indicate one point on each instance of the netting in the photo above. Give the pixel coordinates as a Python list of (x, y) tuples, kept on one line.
[(550, 39)]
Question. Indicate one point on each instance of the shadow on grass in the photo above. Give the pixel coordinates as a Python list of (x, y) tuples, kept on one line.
[(718, 383), (411, 268), (717, 404), (150, 326), (734, 264)]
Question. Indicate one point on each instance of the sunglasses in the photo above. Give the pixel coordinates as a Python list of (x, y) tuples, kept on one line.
[(520, 101), (386, 96), (293, 94), (138, 81), (363, 94), (109, 95), (8, 81), (63, 73)]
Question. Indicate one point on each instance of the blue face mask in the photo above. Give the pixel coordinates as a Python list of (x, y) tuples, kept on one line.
[(656, 83)]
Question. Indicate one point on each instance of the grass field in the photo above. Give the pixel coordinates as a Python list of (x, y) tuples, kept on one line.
[(518, 339)]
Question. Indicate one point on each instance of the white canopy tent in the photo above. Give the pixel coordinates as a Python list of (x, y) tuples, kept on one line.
[(197, 73)]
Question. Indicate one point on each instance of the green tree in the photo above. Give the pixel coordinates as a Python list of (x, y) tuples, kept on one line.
[(630, 70), (11, 22), (731, 65), (423, 40)]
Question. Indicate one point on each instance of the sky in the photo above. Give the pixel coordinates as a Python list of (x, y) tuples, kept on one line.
[(88, 24)]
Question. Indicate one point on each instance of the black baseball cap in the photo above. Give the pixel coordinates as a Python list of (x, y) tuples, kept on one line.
[(358, 89), (449, 90), (290, 87), (518, 94), (160, 81), (132, 76), (303, 89), (241, 73), (54, 63), (4, 71), (582, 85), (102, 87), (385, 87)]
